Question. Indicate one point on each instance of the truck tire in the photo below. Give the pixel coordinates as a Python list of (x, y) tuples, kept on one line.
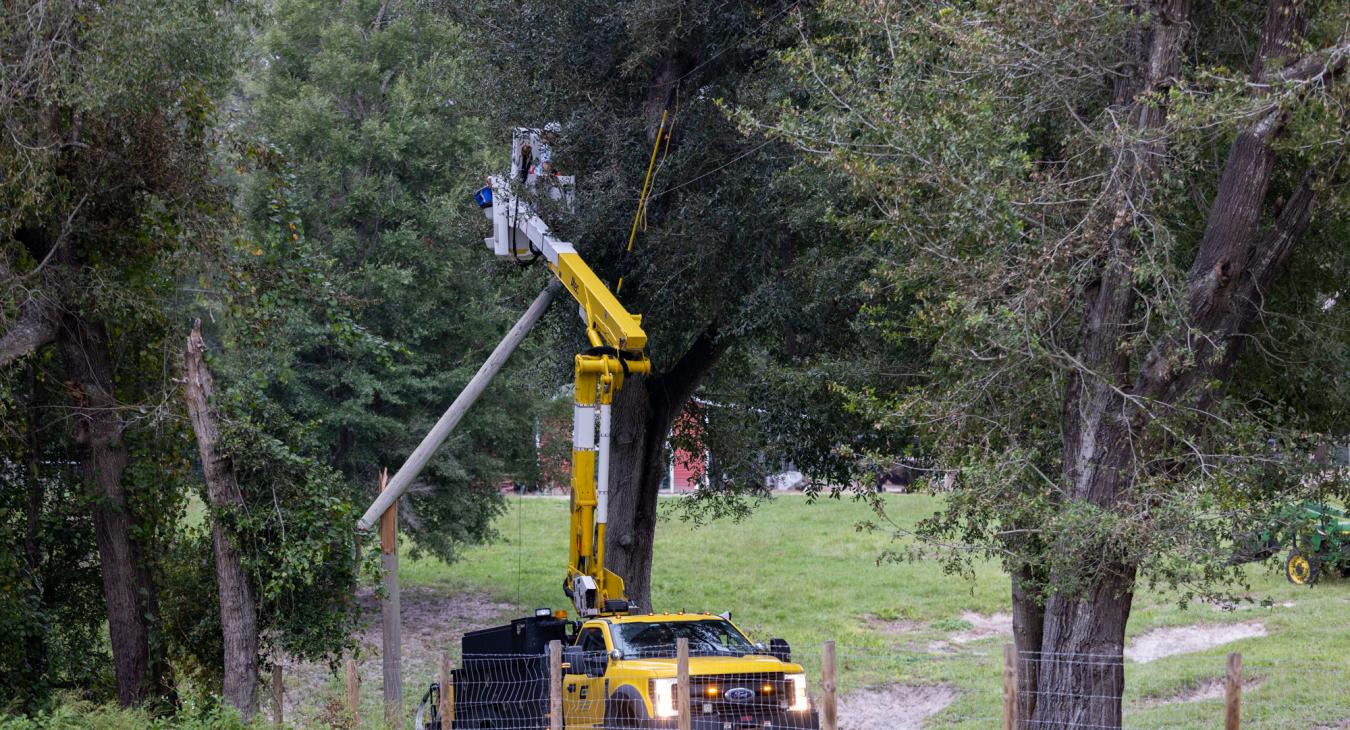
[(621, 714)]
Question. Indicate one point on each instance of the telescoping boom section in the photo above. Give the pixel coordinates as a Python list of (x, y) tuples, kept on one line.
[(616, 350)]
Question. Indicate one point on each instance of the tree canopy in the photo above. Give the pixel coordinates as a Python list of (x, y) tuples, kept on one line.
[(1082, 264)]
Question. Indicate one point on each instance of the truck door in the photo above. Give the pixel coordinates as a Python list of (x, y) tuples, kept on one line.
[(584, 685)]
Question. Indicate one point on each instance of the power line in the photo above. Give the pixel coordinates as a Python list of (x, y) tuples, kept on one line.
[(719, 168), (756, 29)]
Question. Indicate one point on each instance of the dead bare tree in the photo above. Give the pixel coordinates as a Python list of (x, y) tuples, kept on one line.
[(238, 610)]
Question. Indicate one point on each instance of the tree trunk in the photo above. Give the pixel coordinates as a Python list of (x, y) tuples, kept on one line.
[(1107, 404), (238, 612), (32, 542), (644, 411), (127, 591), (1028, 630), (636, 464), (1080, 673), (1088, 605)]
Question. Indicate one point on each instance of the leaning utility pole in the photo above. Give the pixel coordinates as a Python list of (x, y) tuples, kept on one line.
[(411, 468)]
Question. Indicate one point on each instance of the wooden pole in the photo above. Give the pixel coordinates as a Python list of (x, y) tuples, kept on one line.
[(682, 698), (555, 714), (829, 706), (1009, 687), (1232, 701), (411, 468), (447, 690), (354, 692), (389, 608), (278, 694)]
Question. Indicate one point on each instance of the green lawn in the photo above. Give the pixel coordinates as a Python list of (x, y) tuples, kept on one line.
[(802, 571)]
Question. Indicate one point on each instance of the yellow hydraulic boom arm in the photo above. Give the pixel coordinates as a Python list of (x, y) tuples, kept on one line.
[(617, 344)]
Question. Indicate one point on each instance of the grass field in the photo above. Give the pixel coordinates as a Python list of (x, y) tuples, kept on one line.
[(802, 571)]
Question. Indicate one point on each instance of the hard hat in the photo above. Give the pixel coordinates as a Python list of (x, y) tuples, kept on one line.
[(553, 127)]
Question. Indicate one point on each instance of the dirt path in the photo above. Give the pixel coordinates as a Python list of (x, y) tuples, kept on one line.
[(1210, 689), (893, 707), (983, 627), (1160, 643), (433, 621)]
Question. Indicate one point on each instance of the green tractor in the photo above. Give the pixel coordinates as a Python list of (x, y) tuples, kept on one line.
[(1318, 536), (1319, 539)]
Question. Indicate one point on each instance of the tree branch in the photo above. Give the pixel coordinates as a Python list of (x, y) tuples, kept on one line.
[(34, 328), (670, 390), (1285, 20)]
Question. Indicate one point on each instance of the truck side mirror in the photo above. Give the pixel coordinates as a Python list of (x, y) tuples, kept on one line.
[(779, 649), (575, 659)]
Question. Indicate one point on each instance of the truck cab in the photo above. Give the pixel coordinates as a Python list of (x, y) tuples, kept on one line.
[(621, 673)]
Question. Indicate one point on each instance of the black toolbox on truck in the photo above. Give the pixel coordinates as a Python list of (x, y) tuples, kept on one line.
[(502, 680)]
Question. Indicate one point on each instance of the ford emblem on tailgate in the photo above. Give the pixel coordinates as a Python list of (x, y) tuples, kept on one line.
[(740, 694)]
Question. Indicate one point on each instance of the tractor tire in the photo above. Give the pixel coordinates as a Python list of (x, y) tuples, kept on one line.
[(1302, 569)]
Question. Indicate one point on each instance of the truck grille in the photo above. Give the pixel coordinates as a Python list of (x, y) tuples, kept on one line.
[(735, 695)]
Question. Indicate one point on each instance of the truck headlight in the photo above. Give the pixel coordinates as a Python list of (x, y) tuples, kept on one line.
[(800, 702), (663, 698)]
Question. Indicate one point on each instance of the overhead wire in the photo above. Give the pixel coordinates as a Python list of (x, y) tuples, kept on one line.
[(646, 196), (737, 42)]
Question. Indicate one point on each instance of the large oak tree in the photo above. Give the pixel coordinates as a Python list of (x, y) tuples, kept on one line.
[(1113, 235)]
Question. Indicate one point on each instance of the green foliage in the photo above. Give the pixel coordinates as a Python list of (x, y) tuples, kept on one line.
[(107, 195), (75, 714), (736, 243), (294, 533), (980, 137), (374, 300)]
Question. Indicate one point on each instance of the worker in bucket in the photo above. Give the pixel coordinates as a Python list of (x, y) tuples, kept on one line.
[(552, 131)]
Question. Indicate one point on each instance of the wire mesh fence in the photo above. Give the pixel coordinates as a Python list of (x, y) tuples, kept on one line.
[(886, 688)]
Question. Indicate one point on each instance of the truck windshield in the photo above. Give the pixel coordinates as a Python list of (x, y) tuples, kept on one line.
[(656, 639)]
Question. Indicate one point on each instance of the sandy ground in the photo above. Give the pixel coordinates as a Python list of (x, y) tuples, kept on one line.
[(1211, 689), (432, 622), (983, 627), (895, 627), (1160, 643), (893, 707)]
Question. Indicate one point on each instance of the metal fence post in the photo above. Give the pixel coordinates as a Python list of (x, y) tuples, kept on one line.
[(555, 703), (446, 689), (278, 694), (1232, 701), (1009, 687), (829, 701), (682, 698)]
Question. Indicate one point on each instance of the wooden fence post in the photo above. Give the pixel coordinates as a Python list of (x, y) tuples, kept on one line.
[(392, 646), (682, 697), (354, 692), (1009, 687), (447, 689), (278, 694), (555, 713), (1232, 701), (829, 707)]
